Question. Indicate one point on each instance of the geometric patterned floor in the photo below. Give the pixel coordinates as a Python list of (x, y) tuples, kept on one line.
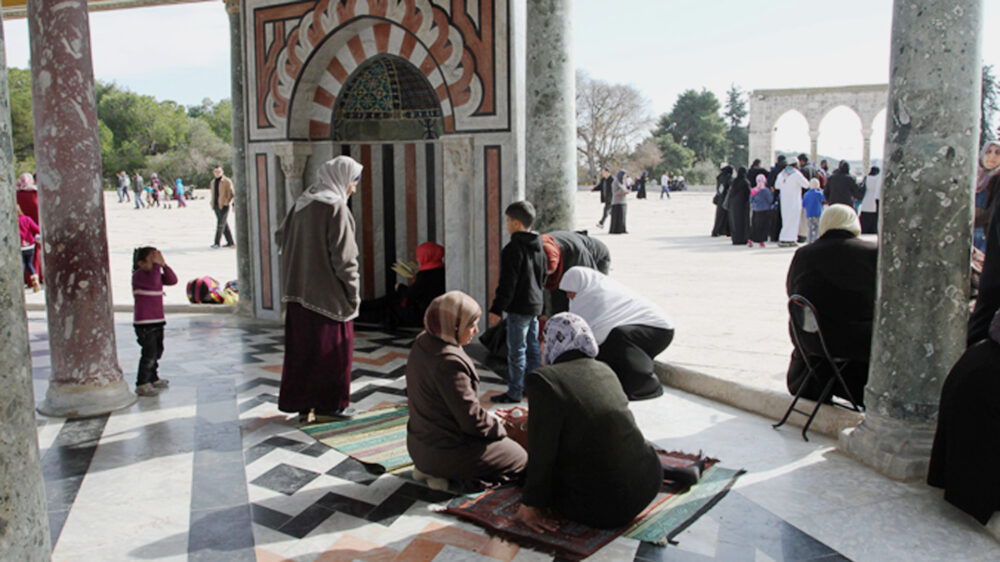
[(211, 470)]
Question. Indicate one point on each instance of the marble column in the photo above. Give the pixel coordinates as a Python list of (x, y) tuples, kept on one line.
[(293, 157), (866, 153), (24, 523), (458, 169), (925, 233), (551, 114), (813, 146), (241, 203), (86, 379)]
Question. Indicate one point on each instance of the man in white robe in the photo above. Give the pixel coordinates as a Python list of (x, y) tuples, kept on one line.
[(790, 182)]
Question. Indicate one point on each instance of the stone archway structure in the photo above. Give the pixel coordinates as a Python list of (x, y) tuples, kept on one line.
[(767, 106)]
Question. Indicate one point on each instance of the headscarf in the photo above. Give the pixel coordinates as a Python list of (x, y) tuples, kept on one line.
[(620, 175), (553, 255), (449, 315), (606, 304), (154, 180), (994, 327), (430, 256), (26, 183), (568, 332), (839, 217), (761, 182), (332, 181), (179, 184), (741, 172), (814, 183), (984, 176)]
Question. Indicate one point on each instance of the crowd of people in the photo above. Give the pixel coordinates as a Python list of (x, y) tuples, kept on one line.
[(153, 194), (615, 189)]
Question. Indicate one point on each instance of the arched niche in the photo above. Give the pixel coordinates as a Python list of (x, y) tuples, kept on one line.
[(840, 135), (790, 132)]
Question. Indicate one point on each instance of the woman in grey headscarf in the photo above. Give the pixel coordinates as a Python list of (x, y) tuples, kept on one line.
[(319, 277), (587, 459), (965, 448), (619, 204)]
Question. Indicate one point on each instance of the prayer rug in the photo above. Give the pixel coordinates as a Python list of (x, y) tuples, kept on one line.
[(672, 511), (376, 437)]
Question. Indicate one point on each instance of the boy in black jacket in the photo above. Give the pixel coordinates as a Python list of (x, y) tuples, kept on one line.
[(519, 294)]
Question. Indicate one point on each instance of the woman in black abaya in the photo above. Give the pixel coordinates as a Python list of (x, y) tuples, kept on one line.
[(722, 183), (739, 207)]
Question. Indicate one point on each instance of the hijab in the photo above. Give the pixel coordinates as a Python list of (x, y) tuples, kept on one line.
[(449, 315), (843, 167), (430, 256), (839, 217), (568, 332), (26, 183), (332, 182), (984, 176), (620, 176), (741, 173), (606, 304), (761, 182), (179, 184)]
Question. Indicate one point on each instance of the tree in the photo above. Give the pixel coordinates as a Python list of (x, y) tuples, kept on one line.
[(989, 105), (676, 158), (737, 136), (218, 116), (694, 123), (646, 157), (610, 120), (21, 120)]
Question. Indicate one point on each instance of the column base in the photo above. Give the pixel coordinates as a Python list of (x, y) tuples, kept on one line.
[(80, 401), (901, 451)]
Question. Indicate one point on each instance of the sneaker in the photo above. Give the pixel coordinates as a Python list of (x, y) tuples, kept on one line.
[(161, 383), (504, 399), (214, 246), (233, 245), (341, 414), (146, 390)]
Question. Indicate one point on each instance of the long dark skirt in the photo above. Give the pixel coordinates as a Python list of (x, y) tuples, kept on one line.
[(721, 225), (618, 219), (739, 220), (965, 450), (761, 226), (869, 221), (317, 368), (629, 351)]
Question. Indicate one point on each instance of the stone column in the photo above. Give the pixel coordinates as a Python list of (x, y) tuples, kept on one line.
[(241, 203), (924, 237), (24, 534), (551, 114), (866, 153), (458, 169), (293, 156), (86, 379), (813, 146)]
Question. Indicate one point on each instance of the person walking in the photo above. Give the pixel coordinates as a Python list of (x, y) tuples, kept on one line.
[(872, 187), (222, 196), (138, 188), (619, 205), (604, 186), (665, 184), (320, 281), (641, 185), (179, 193)]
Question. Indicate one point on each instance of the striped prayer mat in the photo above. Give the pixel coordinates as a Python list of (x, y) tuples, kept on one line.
[(376, 437)]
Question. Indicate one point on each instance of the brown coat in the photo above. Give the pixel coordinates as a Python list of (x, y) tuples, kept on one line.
[(450, 434), (226, 192)]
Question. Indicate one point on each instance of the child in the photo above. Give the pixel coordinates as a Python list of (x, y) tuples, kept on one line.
[(29, 236), (149, 274), (812, 202), (762, 203), (519, 294)]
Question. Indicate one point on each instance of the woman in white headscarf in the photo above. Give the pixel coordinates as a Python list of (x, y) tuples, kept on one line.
[(319, 278), (630, 329), (987, 187)]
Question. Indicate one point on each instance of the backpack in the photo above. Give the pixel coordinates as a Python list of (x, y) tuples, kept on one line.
[(204, 290)]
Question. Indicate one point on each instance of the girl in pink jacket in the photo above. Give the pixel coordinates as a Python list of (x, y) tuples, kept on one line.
[(29, 238)]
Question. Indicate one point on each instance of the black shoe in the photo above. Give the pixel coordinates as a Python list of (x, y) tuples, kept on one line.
[(504, 399)]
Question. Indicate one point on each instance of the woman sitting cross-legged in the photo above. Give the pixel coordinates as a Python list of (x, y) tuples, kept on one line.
[(630, 329), (589, 462), (449, 435)]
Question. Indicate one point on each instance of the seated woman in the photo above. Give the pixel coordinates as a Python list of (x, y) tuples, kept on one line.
[(837, 274), (968, 423), (630, 329), (565, 249), (449, 434), (589, 461), (427, 285)]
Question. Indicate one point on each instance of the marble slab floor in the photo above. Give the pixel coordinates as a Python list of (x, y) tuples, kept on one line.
[(211, 470)]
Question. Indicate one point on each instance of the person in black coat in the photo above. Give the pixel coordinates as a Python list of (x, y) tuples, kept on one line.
[(755, 170), (841, 187), (640, 185), (604, 186), (739, 208), (988, 301), (837, 274), (772, 176), (965, 443), (722, 184), (565, 249)]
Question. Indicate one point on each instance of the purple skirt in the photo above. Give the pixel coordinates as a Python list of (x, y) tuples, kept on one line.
[(317, 368)]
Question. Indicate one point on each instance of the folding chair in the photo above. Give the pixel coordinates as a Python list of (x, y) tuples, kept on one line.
[(812, 346)]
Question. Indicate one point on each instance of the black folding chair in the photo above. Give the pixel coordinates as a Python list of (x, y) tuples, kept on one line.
[(812, 347)]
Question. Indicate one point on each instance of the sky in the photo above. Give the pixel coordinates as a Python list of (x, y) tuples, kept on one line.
[(662, 47)]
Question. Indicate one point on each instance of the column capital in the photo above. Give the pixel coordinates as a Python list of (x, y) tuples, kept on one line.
[(293, 156), (233, 6)]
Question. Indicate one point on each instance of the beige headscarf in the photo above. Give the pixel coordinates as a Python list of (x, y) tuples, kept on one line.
[(449, 315), (839, 217), (332, 181), (984, 176)]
